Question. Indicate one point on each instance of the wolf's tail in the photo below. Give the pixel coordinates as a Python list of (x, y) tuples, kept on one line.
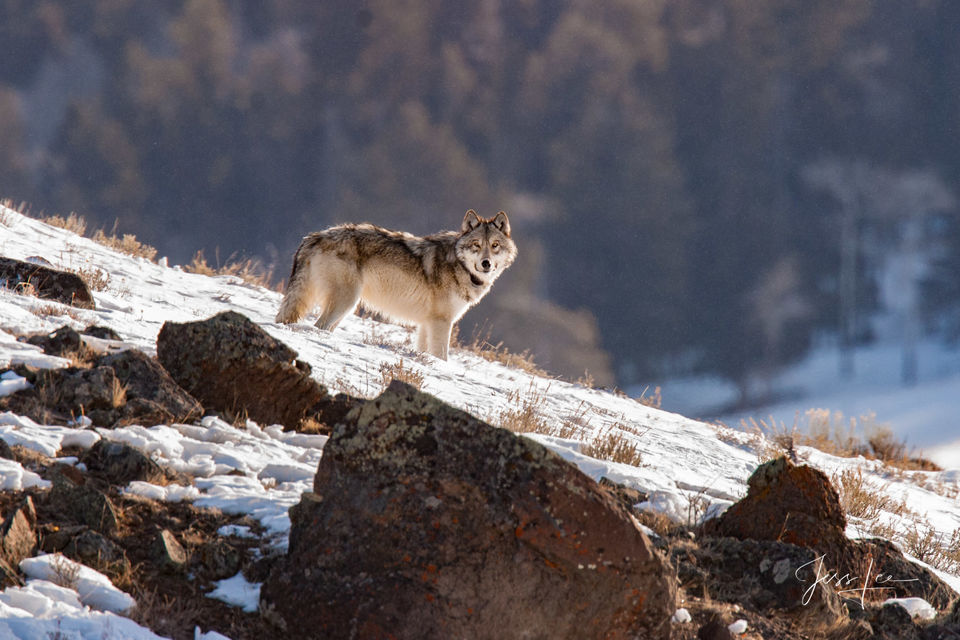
[(295, 303)]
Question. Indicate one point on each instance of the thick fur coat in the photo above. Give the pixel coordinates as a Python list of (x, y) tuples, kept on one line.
[(426, 281)]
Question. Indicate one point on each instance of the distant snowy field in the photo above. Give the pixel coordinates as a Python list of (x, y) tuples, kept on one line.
[(925, 415), (684, 460)]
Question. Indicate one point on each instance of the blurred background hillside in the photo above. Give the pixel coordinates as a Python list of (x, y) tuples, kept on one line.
[(696, 186)]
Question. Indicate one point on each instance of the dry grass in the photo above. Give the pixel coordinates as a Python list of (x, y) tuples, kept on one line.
[(397, 371), (480, 345), (73, 222), (164, 614), (65, 572), (867, 502), (525, 415), (831, 433), (654, 400), (936, 548), (377, 336), (860, 499), (615, 446), (57, 310), (127, 243), (95, 279), (23, 208), (251, 270)]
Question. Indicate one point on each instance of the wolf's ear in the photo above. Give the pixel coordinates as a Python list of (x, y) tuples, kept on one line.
[(470, 221), (502, 222)]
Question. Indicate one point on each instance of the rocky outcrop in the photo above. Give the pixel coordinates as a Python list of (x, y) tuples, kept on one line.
[(120, 463), (774, 579), (152, 396), (44, 282), (18, 539), (233, 366), (119, 388), (798, 505), (786, 503), (427, 523), (82, 503)]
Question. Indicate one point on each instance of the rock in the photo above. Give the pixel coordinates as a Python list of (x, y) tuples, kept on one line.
[(427, 523), (170, 554), (64, 341), (122, 388), (94, 549), (104, 333), (715, 629), (220, 559), (6, 451), (84, 390), (233, 366), (55, 536), (628, 496), (787, 503), (18, 540), (45, 283), (893, 622), (772, 578), (82, 503), (887, 560), (120, 463), (798, 505), (153, 397)]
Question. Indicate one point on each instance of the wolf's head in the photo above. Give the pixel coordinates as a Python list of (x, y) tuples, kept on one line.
[(485, 247)]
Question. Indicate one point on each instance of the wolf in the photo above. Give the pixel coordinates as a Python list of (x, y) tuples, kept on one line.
[(426, 281)]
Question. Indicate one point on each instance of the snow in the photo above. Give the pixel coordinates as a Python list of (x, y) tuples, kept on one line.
[(681, 616), (738, 628), (916, 607), (13, 477), (42, 610), (93, 588), (238, 592), (10, 382), (689, 469)]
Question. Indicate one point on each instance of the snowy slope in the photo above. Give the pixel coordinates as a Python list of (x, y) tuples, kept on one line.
[(684, 461)]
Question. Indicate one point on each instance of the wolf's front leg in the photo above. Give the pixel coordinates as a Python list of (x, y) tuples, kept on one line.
[(436, 334)]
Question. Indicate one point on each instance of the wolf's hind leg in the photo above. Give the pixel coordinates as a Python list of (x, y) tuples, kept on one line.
[(340, 302)]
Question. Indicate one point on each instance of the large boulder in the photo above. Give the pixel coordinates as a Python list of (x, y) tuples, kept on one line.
[(428, 523), (233, 366), (123, 388), (798, 505), (152, 395), (44, 282)]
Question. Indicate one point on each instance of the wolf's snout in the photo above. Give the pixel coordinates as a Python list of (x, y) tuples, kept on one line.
[(485, 264)]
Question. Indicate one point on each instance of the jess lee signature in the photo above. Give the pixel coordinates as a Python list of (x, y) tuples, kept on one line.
[(868, 584)]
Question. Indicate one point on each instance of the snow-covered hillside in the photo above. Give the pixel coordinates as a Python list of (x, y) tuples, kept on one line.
[(262, 470)]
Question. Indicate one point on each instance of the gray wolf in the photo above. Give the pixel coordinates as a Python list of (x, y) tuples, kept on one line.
[(426, 281)]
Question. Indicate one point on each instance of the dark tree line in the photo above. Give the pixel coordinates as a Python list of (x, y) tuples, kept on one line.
[(655, 156)]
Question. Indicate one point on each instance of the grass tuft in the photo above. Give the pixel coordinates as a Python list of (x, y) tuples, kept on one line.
[(480, 345), (73, 222), (251, 270), (831, 433), (397, 371), (127, 243)]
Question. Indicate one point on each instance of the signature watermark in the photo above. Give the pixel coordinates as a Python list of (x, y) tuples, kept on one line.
[(848, 587)]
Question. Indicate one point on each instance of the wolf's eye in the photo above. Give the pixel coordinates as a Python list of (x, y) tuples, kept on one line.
[(476, 246), (495, 246)]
